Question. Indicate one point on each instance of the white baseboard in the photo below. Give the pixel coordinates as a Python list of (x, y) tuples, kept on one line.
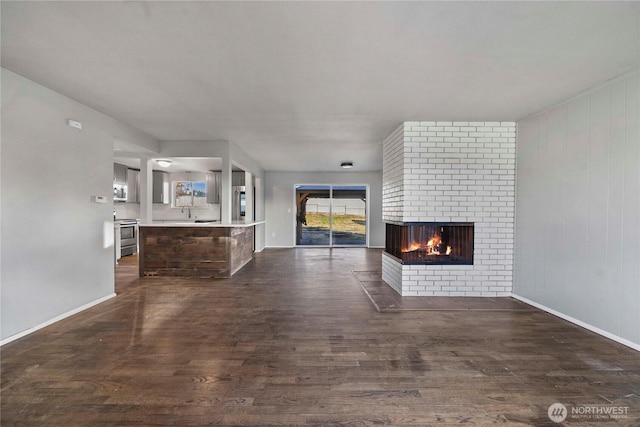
[(310, 246), (56, 319), (580, 323), (327, 247)]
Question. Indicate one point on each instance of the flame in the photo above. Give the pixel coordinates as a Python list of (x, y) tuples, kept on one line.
[(414, 247), (433, 242), (431, 247)]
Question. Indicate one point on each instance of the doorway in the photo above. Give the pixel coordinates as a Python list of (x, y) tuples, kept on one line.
[(331, 215)]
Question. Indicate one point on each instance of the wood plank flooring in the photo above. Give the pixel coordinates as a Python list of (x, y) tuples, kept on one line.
[(292, 339)]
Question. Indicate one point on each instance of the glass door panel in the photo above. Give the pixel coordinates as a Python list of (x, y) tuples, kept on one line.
[(349, 216), (329, 215), (313, 215)]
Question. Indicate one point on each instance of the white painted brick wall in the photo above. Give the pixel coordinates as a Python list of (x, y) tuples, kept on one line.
[(453, 172), (392, 272), (393, 176)]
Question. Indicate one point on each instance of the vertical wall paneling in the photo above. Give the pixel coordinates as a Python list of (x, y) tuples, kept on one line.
[(578, 202), (544, 210), (615, 201), (576, 181), (537, 281), (554, 171), (598, 194), (525, 206), (630, 312)]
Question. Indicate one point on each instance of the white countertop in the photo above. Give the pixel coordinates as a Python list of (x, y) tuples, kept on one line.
[(180, 223)]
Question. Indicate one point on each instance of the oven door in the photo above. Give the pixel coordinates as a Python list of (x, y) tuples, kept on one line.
[(128, 235)]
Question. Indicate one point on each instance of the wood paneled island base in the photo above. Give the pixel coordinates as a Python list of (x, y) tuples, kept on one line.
[(194, 250)]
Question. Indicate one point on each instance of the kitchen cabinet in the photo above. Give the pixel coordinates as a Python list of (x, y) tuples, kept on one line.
[(133, 186), (214, 186), (160, 193), (237, 179), (119, 174), (119, 183)]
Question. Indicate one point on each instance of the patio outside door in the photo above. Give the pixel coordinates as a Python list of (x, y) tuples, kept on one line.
[(331, 215)]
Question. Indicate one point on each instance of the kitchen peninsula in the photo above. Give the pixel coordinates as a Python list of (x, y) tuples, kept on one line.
[(207, 249)]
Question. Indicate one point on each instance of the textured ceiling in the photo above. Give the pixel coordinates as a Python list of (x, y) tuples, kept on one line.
[(301, 86)]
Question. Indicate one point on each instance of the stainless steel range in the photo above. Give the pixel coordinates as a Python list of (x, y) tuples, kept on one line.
[(128, 236)]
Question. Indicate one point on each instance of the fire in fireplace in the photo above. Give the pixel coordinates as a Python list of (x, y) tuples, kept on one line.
[(431, 242)]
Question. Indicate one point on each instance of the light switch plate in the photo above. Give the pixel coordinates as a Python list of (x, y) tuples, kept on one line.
[(74, 124), (99, 199)]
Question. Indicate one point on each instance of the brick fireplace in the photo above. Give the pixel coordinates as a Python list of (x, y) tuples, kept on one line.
[(449, 187)]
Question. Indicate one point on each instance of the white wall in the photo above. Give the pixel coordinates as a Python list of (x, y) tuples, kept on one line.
[(57, 249), (578, 208), (280, 203)]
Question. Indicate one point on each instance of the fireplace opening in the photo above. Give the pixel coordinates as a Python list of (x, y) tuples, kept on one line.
[(431, 243)]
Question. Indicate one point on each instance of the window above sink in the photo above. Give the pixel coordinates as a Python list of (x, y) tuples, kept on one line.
[(188, 194)]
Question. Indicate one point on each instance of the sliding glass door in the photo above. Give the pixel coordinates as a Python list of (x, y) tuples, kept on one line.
[(313, 215), (349, 216), (331, 215)]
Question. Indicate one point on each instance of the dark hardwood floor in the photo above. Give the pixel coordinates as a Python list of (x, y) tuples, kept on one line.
[(293, 339)]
